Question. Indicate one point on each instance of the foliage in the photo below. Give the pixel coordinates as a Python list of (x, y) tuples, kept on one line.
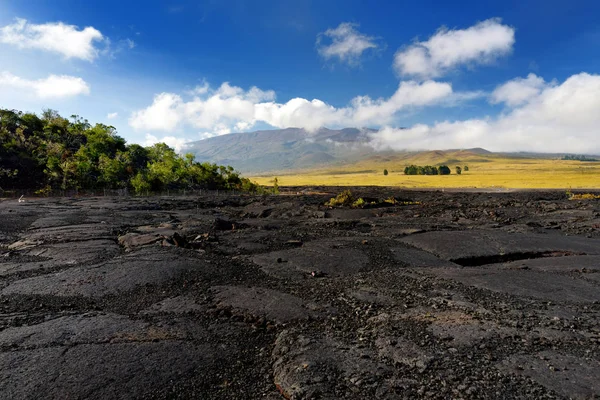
[(418, 170), (576, 157), (444, 170), (275, 186), (583, 196), (385, 172), (49, 152), (359, 203), (345, 198), (458, 170), (466, 168)]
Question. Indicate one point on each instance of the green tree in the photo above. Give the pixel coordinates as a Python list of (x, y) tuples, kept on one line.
[(458, 170), (444, 170), (466, 168), (51, 152), (385, 172)]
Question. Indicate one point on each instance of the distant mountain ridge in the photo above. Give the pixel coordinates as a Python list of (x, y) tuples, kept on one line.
[(295, 149), (284, 149)]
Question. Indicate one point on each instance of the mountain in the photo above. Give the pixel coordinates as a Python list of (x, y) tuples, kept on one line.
[(284, 149), (295, 149)]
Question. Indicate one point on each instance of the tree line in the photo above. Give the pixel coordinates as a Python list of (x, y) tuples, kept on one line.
[(431, 170), (426, 170), (578, 157), (49, 152)]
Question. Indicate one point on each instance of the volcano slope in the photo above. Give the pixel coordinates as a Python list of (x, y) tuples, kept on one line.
[(443, 295)]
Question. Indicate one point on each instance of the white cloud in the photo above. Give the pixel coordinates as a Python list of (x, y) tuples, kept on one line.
[(559, 118), (518, 91), (54, 86), (179, 144), (163, 115), (112, 115), (346, 43), (409, 94), (230, 108), (55, 37), (446, 49), (218, 111)]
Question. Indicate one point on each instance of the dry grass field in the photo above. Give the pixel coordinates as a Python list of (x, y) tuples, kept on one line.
[(485, 171)]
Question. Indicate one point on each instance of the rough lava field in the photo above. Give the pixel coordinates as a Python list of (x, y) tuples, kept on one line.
[(451, 295)]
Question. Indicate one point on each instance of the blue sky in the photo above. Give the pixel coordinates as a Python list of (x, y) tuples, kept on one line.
[(471, 72)]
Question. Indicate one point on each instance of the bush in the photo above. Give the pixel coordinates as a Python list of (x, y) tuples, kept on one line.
[(359, 203), (385, 172), (343, 199), (458, 170), (466, 168)]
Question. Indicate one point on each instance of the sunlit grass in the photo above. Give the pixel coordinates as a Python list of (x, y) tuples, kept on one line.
[(495, 172)]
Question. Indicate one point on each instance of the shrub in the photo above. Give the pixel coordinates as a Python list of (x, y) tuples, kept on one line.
[(466, 168), (345, 198), (584, 196), (458, 170), (385, 172), (359, 203)]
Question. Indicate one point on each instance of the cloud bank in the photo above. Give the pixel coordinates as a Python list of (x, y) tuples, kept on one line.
[(554, 118), (230, 108)]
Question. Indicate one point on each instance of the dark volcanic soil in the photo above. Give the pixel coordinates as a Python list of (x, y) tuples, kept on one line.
[(450, 295)]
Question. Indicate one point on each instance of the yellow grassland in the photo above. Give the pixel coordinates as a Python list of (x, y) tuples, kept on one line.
[(485, 171)]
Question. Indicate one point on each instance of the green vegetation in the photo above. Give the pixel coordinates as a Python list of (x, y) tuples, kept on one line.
[(385, 172), (575, 157), (54, 153), (426, 170), (582, 196), (418, 170), (458, 170), (466, 168), (347, 199)]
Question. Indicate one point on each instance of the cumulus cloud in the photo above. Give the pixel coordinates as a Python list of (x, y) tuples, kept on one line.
[(447, 49), (55, 37), (112, 115), (558, 118), (230, 108), (217, 110), (179, 144), (345, 43), (54, 86), (518, 91), (163, 115)]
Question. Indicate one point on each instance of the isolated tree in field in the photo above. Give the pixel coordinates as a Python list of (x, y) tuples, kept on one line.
[(458, 170), (466, 168), (444, 170), (275, 186), (385, 172)]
